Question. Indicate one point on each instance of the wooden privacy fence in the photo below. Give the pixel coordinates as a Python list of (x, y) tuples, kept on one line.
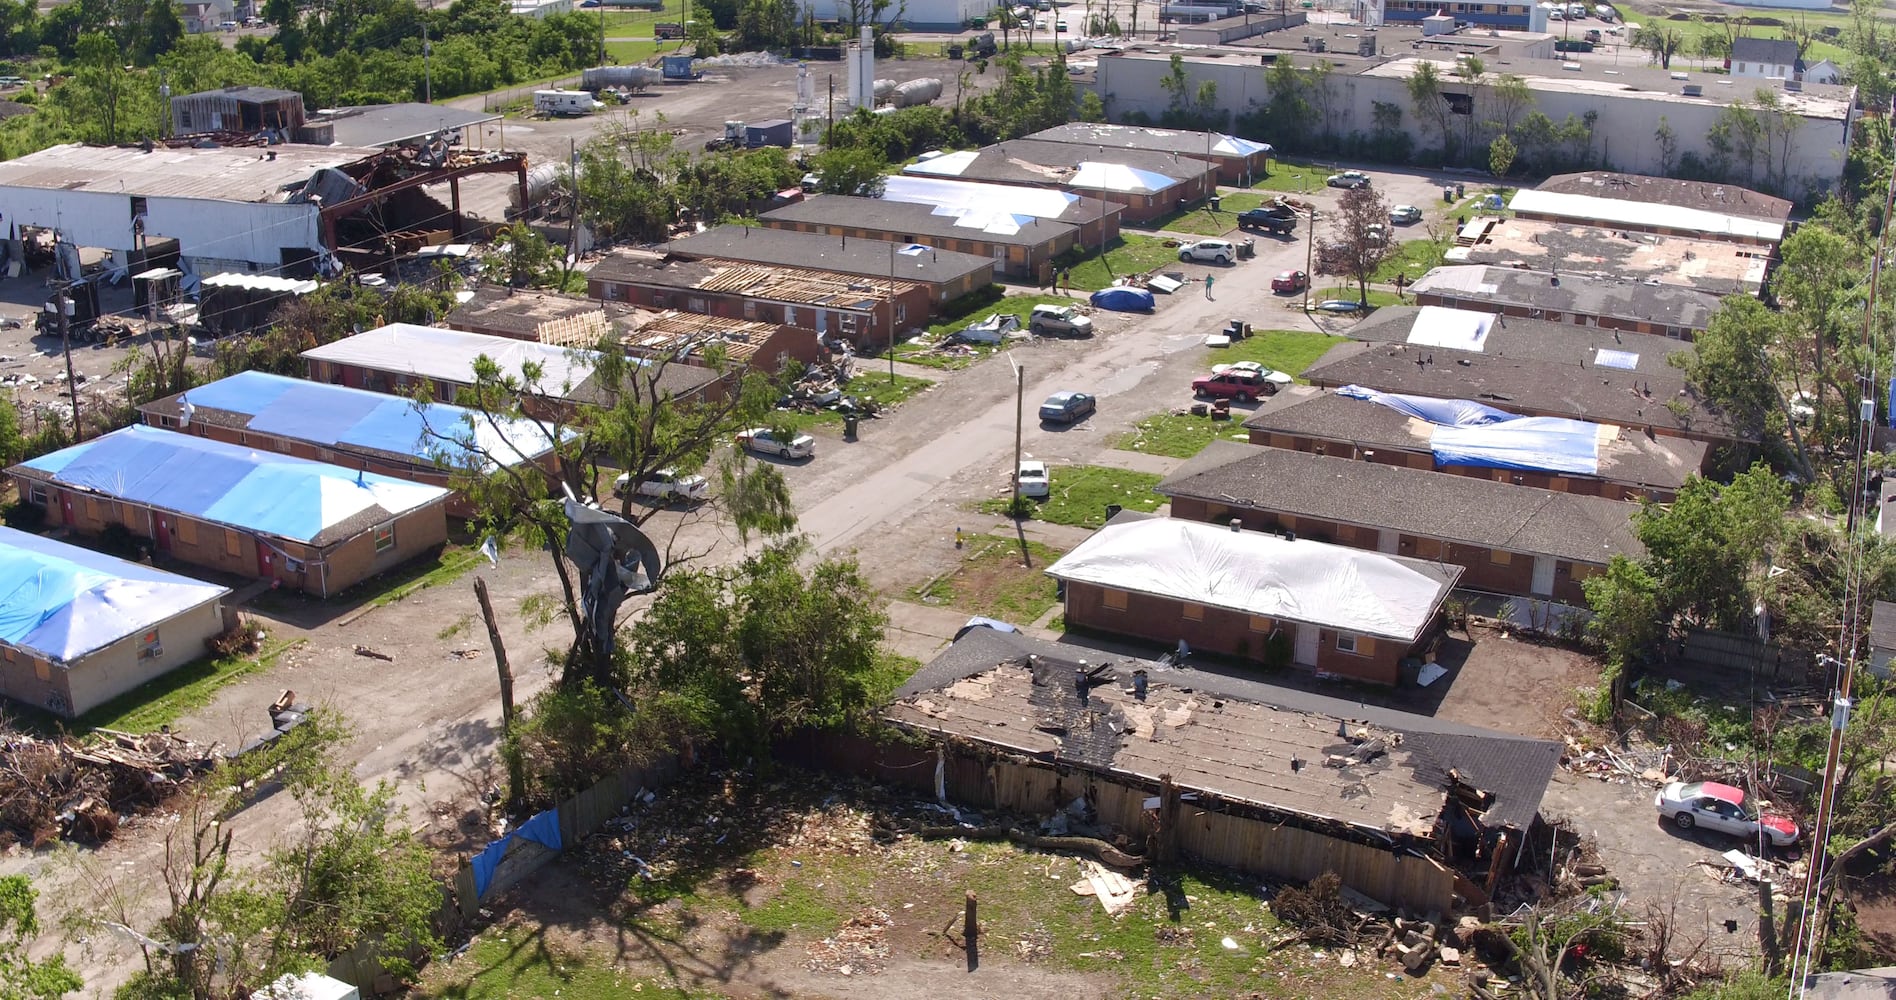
[(1208, 830), (1733, 658), (579, 817)]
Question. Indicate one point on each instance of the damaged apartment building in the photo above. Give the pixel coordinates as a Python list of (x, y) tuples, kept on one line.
[(293, 210)]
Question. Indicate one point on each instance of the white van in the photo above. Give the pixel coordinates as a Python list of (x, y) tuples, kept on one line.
[(1576, 11)]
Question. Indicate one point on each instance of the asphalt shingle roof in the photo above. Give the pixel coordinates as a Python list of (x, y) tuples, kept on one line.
[(864, 258), (1478, 285), (1539, 340), (1519, 519), (917, 220)]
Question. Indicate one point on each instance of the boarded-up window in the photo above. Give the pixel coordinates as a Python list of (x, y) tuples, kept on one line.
[(233, 543), (42, 669), (187, 531), (1192, 612), (1116, 600), (94, 509), (1428, 548), (1500, 557), (1260, 624)]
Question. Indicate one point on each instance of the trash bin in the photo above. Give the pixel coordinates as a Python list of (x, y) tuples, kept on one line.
[(1461, 190), (1215, 201), (1448, 194), (954, 52), (849, 425), (1247, 248)]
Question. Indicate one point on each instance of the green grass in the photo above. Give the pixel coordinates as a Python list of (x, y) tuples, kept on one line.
[(164, 700), (513, 963), (1202, 221), (1412, 258), (979, 309), (1294, 177), (1693, 29), (891, 671), (418, 575), (868, 384), (1288, 351), (1130, 253), (992, 580), (797, 906), (1078, 495), (636, 51), (1178, 435), (1377, 297)]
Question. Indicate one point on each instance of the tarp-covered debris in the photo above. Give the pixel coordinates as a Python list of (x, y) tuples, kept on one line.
[(1476, 434), (1121, 298)]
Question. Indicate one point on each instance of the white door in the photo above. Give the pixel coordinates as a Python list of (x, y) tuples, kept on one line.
[(1386, 541), (1543, 576), (1307, 645)]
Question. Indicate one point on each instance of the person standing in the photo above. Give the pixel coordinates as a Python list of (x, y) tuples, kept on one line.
[(1208, 280)]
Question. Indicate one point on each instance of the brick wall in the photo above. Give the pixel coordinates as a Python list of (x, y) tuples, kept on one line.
[(1218, 630)]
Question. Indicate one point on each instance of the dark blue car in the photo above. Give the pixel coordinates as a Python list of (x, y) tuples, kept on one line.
[(1067, 407)]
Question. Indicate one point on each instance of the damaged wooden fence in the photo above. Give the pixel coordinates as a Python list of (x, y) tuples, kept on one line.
[(1207, 830)]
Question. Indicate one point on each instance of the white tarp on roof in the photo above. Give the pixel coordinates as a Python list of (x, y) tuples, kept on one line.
[(1231, 145), (972, 203), (1119, 177), (64, 601), (1328, 585), (1609, 211), (1461, 329), (945, 165), (448, 355)]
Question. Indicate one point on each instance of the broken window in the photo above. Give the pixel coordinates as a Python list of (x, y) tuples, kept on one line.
[(1459, 104), (1345, 642)]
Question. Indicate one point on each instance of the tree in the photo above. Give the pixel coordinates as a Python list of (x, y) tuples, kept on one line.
[(1501, 154), (1733, 367), (768, 647), (1472, 72), (1668, 143), (1430, 104), (1362, 231), (1626, 621), (1702, 550), (1509, 99), (766, 24), (163, 29), (861, 172), (22, 978), (522, 258), (1659, 42)]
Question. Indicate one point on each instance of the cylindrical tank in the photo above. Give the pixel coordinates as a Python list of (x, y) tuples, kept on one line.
[(884, 89), (542, 181), (917, 92), (629, 77)]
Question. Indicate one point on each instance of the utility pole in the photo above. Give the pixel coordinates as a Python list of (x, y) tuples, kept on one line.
[(1310, 255), (572, 225), (1020, 407), (61, 305), (427, 68), (891, 315)]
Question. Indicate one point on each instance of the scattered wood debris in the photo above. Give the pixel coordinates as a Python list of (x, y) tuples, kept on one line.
[(52, 789), (859, 947)]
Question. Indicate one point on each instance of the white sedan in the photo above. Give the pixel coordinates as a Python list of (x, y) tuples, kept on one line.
[(1722, 808), (1033, 481), (764, 441), (666, 485)]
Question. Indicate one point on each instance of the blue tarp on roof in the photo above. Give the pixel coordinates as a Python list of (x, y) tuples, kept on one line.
[(257, 491), (1479, 435), (338, 416), (64, 601)]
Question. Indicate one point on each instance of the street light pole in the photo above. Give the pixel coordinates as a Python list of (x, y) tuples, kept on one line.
[(1020, 407), (1310, 255), (891, 315)]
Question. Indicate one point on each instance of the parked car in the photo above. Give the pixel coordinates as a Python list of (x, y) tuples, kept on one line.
[(1067, 407), (1405, 215), (1593, 35), (1271, 375), (1032, 477), (12, 81), (1213, 251), (1290, 281), (1377, 233), (1722, 808), (1059, 321), (1059, 28), (666, 485), (765, 441), (1348, 179), (1339, 306), (1278, 220), (1242, 386)]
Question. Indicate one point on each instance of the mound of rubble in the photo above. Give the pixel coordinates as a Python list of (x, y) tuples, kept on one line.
[(70, 789)]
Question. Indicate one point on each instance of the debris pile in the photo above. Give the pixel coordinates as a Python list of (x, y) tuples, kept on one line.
[(859, 947), (1645, 764), (63, 788)]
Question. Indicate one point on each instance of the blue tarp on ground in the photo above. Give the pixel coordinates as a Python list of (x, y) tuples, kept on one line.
[(1476, 434), (543, 829), (257, 491), (63, 601), (1123, 299), (339, 416)]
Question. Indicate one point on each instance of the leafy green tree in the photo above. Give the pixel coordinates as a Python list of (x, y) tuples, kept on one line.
[(522, 258), (1659, 42), (766, 24), (1362, 233), (860, 172), (1431, 104), (1732, 366), (162, 30), (1501, 153), (1626, 622), (1704, 550), (22, 978), (768, 646), (12, 440), (1028, 99)]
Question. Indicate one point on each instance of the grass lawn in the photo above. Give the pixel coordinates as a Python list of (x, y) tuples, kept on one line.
[(618, 19), (1129, 254), (1295, 177), (1377, 297), (1412, 258), (979, 309), (163, 700), (1078, 495), (635, 51), (1178, 435), (993, 581), (512, 962), (892, 671), (868, 384), (1289, 351)]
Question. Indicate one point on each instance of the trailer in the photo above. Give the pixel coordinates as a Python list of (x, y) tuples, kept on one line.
[(565, 103), (775, 132), (677, 68), (916, 93)]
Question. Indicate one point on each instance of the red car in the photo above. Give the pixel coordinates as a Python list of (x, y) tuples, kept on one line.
[(1239, 384), (1290, 281)]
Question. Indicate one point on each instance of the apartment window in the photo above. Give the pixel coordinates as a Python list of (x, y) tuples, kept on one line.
[(187, 531), (233, 543), (1500, 558), (901, 313), (385, 537), (694, 304), (789, 315), (750, 308), (1193, 612), (1345, 643), (1115, 600), (1261, 624), (37, 494), (149, 648)]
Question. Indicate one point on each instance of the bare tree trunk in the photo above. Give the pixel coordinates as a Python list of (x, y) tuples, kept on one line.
[(516, 777)]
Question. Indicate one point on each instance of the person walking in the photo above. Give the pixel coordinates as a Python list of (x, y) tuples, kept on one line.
[(1208, 280)]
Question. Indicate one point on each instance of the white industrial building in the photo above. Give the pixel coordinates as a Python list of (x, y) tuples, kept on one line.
[(1371, 70), (916, 15)]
